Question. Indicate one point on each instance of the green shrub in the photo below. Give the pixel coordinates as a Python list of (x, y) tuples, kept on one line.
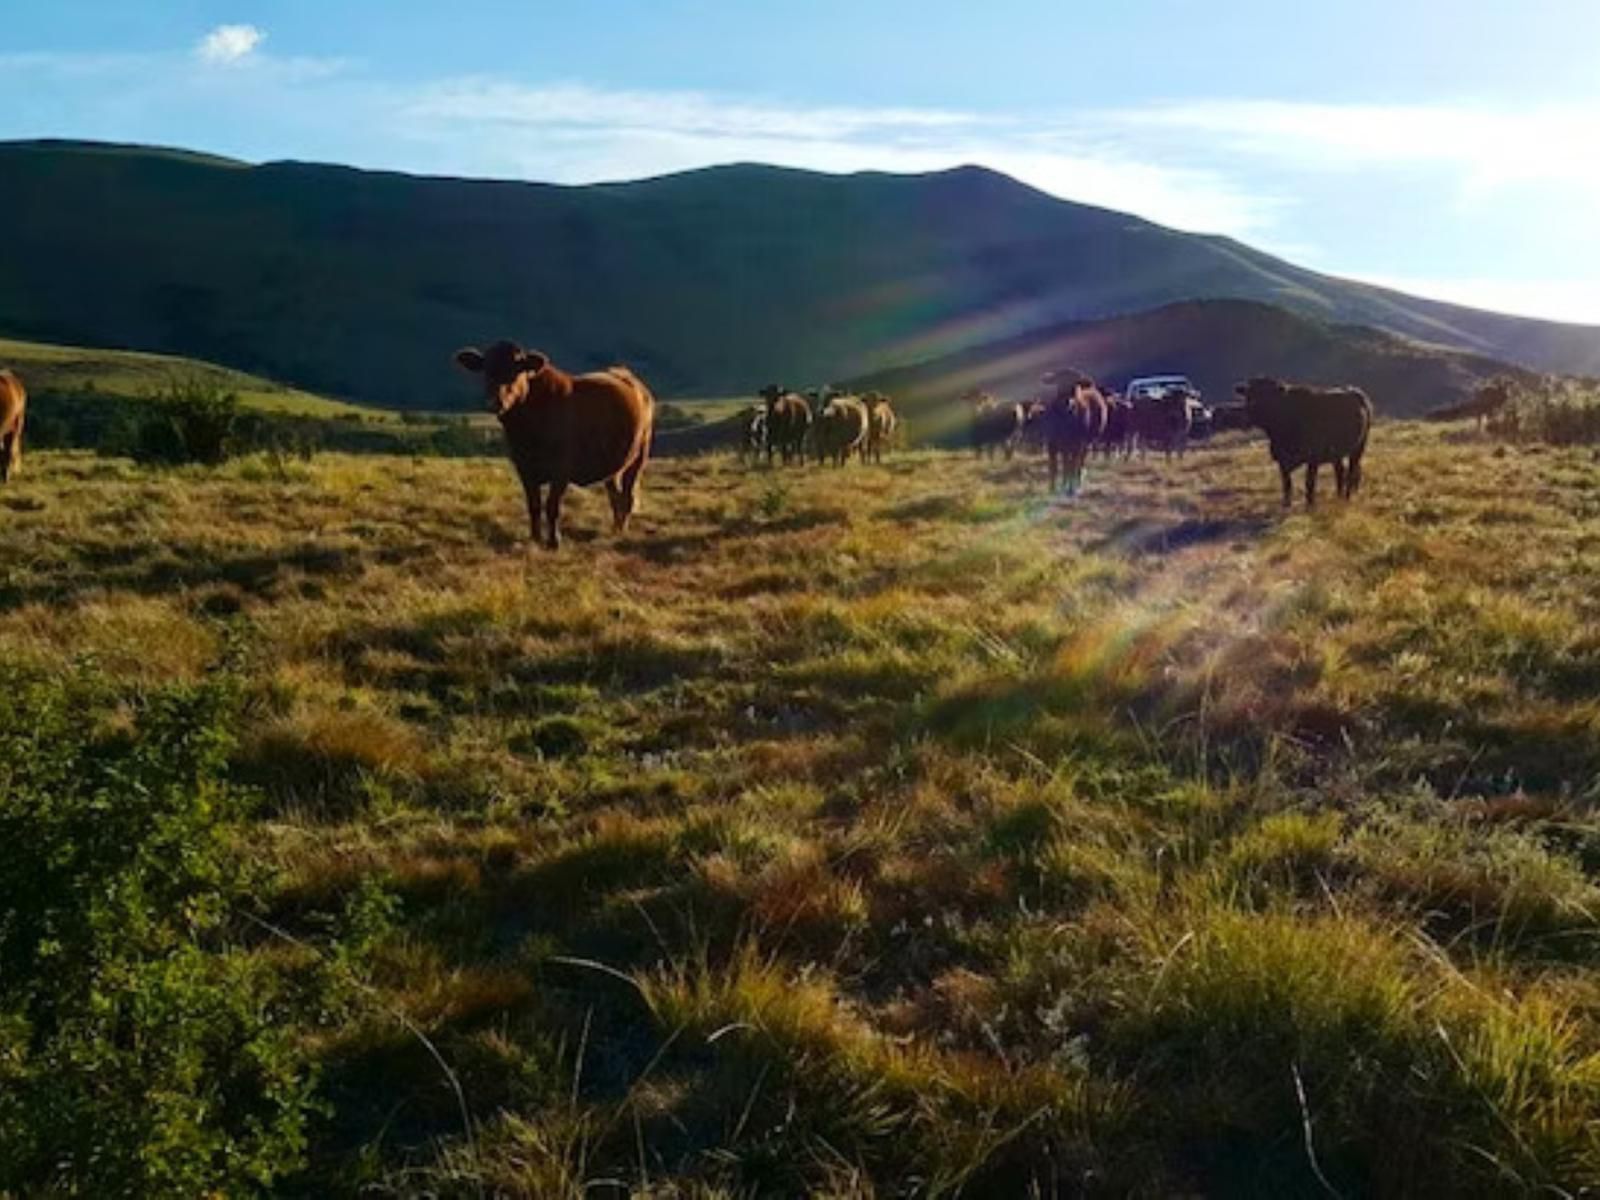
[(1562, 412), (192, 420), (137, 1056)]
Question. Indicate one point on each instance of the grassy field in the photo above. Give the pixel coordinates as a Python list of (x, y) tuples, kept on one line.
[(892, 831), (133, 375)]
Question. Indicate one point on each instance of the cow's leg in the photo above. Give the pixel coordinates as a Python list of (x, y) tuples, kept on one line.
[(8, 442), (630, 486), (1311, 482), (1353, 475), (1283, 473), (552, 515), (1340, 479), (614, 495), (530, 489)]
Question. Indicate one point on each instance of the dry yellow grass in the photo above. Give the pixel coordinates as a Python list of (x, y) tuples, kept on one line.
[(902, 830)]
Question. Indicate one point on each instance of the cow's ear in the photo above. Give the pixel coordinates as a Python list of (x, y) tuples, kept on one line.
[(469, 359), (1240, 390), (533, 362)]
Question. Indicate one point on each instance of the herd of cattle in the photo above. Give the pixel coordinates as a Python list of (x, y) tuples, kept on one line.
[(1073, 418), (567, 430)]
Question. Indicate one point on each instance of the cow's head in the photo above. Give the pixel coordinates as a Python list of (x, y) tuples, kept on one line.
[(1261, 396), (506, 369), (771, 393)]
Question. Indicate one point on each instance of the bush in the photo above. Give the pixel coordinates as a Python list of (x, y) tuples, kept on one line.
[(192, 420), (1562, 412), (137, 1056)]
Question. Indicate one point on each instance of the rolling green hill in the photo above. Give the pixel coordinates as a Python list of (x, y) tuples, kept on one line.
[(359, 284), (69, 371)]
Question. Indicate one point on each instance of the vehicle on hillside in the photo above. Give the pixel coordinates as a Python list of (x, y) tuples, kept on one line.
[(1160, 389)]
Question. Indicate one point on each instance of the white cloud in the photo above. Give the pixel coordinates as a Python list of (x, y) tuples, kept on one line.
[(1576, 300), (229, 44), (575, 133), (579, 105), (1487, 147)]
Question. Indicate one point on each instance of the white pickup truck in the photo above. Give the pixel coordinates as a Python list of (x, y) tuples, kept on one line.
[(1159, 388)]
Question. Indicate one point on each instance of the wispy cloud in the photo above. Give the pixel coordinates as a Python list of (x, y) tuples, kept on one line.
[(1552, 299), (1487, 147), (572, 132), (229, 44), (686, 112)]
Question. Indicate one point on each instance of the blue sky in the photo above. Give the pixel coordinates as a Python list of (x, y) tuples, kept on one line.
[(1451, 148)]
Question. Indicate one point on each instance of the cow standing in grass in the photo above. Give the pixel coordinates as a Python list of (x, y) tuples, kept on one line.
[(1117, 440), (881, 424), (788, 424), (1162, 422), (753, 433), (841, 429), (1309, 426), (1074, 420), (13, 408), (995, 424), (565, 430)]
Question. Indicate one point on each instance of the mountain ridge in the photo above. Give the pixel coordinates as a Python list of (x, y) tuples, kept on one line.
[(360, 284)]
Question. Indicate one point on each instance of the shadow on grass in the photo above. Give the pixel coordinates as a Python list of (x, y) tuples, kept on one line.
[(1144, 535), (154, 570)]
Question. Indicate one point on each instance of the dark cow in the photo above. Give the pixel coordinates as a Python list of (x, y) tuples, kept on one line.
[(1161, 421), (881, 425), (566, 430), (788, 424), (1074, 420), (1309, 426), (995, 424), (841, 430), (1118, 436), (13, 410)]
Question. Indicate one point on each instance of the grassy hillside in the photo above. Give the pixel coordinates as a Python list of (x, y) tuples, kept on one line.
[(69, 371), (1216, 343), (360, 284), (884, 831)]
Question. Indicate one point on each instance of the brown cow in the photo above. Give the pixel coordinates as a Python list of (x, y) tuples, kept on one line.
[(842, 427), (788, 423), (13, 408), (1118, 436), (881, 424), (566, 430), (1074, 420), (994, 424), (1309, 426)]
